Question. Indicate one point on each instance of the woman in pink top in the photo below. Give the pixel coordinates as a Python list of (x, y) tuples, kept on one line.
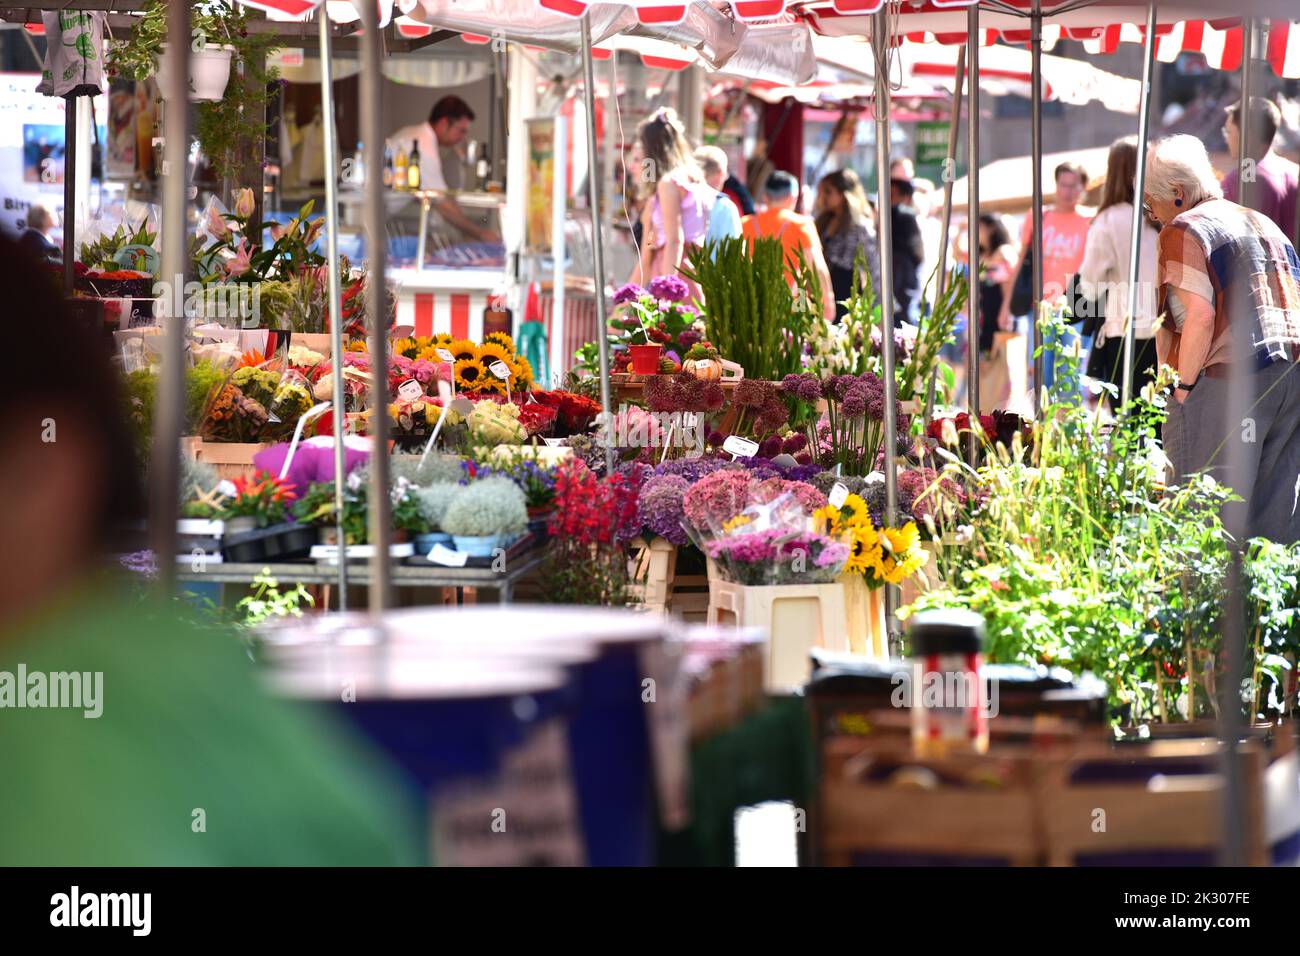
[(678, 201)]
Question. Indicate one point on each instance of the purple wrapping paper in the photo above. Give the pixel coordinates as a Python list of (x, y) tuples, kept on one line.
[(314, 460)]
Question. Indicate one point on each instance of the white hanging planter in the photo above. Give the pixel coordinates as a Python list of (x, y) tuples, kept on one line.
[(209, 71)]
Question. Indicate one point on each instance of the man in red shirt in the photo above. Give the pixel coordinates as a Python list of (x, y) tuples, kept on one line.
[(1274, 189)]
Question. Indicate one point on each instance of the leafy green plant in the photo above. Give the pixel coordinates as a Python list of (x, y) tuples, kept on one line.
[(267, 602), (222, 127), (751, 313), (99, 254)]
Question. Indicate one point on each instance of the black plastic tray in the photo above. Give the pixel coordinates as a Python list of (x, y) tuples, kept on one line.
[(277, 542)]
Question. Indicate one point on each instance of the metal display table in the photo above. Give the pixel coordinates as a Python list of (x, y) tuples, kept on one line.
[(400, 575)]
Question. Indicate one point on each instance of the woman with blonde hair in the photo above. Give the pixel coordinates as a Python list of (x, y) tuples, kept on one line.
[(1104, 275), (846, 223), (1220, 265), (678, 202)]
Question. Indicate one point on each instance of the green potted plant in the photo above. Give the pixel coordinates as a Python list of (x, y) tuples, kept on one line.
[(489, 514), (222, 44)]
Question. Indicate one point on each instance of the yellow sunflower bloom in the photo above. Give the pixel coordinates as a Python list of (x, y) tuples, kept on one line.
[(423, 341), (356, 345), (406, 347), (490, 352), (864, 550), (463, 350), (826, 520), (471, 376), (502, 339), (443, 339), (523, 380), (900, 541), (429, 353), (856, 509)]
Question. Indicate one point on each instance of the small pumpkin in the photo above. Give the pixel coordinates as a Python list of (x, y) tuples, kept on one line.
[(707, 370)]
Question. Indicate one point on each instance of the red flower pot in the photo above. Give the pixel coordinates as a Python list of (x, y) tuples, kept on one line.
[(645, 358)]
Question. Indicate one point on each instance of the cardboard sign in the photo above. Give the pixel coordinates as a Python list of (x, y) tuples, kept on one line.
[(741, 447), (410, 391)]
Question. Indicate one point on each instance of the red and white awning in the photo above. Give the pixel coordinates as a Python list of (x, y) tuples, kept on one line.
[(340, 11)]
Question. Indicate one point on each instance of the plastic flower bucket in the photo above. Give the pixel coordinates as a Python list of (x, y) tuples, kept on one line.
[(424, 542), (479, 546), (645, 358)]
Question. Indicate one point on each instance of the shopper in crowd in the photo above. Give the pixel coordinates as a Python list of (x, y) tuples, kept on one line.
[(902, 168), (35, 239), (846, 225), (1065, 235), (724, 219), (678, 201), (1220, 264), (1104, 275), (909, 252), (1273, 191), (737, 192), (446, 128), (997, 261), (175, 755), (798, 234)]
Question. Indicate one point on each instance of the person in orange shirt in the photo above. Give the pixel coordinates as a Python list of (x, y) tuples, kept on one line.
[(797, 233)]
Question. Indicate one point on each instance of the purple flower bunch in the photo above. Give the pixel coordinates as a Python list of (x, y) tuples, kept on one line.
[(769, 489), (629, 293), (796, 445), (659, 507), (761, 406), (776, 556), (683, 392), (857, 395), (668, 288), (717, 498), (693, 469)]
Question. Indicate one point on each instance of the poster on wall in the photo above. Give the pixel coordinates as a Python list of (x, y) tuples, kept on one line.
[(540, 184), (31, 150)]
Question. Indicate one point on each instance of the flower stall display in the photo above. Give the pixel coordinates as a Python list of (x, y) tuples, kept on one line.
[(593, 520)]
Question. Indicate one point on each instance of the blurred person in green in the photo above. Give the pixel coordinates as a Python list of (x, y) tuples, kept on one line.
[(182, 759)]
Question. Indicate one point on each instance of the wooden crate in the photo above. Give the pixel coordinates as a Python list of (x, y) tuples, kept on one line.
[(663, 590), (231, 459)]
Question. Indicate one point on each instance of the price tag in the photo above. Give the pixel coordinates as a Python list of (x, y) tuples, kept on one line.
[(500, 369), (839, 494), (553, 442), (410, 391), (741, 447), (441, 554), (444, 355)]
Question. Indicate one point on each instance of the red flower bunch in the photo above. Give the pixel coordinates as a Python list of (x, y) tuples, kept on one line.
[(590, 510), (962, 424), (537, 418), (576, 412), (264, 498)]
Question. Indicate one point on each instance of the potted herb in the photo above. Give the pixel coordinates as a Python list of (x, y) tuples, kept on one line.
[(222, 44), (489, 514)]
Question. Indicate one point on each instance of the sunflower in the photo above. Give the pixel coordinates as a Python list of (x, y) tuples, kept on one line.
[(490, 352), (854, 511), (900, 571), (826, 520), (901, 555), (423, 341), (900, 541), (491, 383), (443, 339), (463, 349), (406, 347), (523, 380), (429, 353), (471, 376), (356, 345), (864, 549), (502, 339)]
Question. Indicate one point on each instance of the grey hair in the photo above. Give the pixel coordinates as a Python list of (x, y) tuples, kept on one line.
[(1181, 161), (711, 159), (38, 217)]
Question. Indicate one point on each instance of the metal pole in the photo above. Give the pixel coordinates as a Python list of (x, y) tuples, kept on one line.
[(1036, 149), (1231, 724), (950, 174), (69, 192), (372, 131), (1139, 189), (973, 227), (165, 473), (881, 48), (597, 241), (330, 129)]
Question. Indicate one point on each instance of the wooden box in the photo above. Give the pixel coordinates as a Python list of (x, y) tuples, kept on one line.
[(231, 459)]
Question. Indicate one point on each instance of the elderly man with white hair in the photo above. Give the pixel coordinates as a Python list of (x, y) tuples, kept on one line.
[(1221, 263)]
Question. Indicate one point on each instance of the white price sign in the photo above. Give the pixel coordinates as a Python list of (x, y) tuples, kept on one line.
[(410, 391), (740, 447), (445, 355), (441, 554), (500, 369), (839, 494)]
